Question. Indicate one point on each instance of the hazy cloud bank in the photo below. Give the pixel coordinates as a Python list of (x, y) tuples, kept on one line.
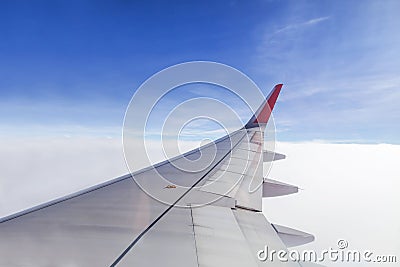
[(350, 190)]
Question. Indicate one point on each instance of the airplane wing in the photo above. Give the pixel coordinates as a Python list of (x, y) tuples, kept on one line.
[(118, 224)]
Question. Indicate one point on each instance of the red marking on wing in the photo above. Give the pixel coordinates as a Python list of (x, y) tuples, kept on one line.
[(265, 113)]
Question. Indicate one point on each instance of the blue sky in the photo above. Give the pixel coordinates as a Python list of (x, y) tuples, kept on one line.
[(71, 67)]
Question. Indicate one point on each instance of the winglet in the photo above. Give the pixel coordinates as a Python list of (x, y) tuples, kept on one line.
[(264, 111)]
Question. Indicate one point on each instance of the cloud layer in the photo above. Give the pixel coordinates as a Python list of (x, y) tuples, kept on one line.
[(349, 190)]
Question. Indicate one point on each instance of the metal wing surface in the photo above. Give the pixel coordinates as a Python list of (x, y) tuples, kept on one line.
[(164, 215)]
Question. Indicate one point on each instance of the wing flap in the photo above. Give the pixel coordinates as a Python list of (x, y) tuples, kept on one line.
[(219, 239), (272, 188), (260, 234), (292, 237), (272, 156)]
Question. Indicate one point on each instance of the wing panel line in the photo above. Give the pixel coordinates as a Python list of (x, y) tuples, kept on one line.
[(170, 207)]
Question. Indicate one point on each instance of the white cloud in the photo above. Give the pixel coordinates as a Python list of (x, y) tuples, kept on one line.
[(296, 26), (350, 190), (36, 170), (340, 72)]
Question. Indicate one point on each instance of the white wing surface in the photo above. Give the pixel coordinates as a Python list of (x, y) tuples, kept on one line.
[(210, 217)]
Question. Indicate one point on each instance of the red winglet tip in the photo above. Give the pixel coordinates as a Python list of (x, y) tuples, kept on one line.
[(265, 113)]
